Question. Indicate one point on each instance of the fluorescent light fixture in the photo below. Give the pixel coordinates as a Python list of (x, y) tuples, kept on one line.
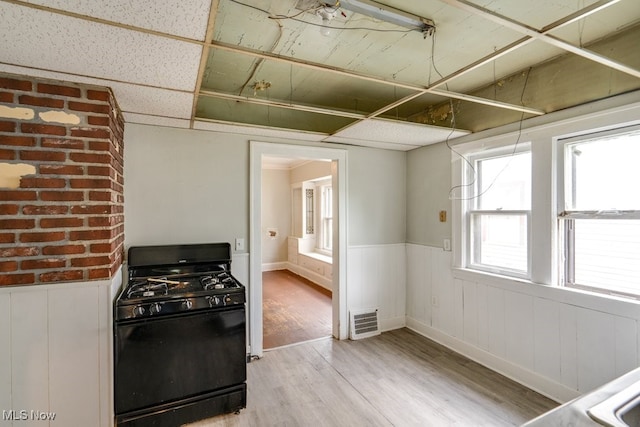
[(386, 13)]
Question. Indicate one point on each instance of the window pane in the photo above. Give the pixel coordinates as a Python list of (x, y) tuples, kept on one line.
[(607, 254), (602, 174), (504, 182), (500, 241)]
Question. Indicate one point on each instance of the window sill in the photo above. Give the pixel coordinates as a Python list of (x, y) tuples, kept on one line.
[(621, 306), (320, 257)]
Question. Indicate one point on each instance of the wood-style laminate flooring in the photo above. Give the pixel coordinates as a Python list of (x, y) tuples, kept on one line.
[(294, 309), (398, 378)]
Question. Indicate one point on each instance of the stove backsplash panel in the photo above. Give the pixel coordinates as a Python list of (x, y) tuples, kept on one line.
[(61, 182)]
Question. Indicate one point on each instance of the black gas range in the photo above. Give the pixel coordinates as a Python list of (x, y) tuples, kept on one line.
[(179, 336)]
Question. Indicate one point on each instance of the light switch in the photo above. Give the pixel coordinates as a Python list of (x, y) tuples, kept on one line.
[(239, 244)]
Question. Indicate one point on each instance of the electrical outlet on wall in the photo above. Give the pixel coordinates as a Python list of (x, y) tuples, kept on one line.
[(446, 244)]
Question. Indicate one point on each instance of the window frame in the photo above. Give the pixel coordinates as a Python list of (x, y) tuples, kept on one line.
[(566, 217), (470, 211)]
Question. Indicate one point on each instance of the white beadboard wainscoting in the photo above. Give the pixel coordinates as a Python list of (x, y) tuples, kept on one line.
[(376, 278), (56, 353), (559, 342)]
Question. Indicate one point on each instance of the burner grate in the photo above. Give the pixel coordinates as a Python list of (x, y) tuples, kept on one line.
[(144, 288)]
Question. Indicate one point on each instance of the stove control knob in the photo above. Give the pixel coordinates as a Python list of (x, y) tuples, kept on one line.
[(187, 304), (138, 310), (155, 308), (214, 301)]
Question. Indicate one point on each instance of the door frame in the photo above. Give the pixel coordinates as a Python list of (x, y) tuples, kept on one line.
[(338, 159)]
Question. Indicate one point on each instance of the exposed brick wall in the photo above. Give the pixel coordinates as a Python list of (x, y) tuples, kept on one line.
[(61, 182)]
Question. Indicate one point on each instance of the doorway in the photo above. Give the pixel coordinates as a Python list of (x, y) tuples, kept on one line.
[(338, 159), (297, 246)]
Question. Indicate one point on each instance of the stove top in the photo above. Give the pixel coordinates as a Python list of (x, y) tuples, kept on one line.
[(193, 277)]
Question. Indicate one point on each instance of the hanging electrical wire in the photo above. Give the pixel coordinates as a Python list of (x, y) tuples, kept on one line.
[(511, 155)]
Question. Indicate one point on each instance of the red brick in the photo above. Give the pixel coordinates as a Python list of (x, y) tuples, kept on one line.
[(90, 235), (50, 236), (37, 264), (98, 121), (43, 156), (41, 102), (98, 95), (99, 145), (91, 108), (21, 251), (102, 248), (100, 273), (90, 183), (90, 261), (90, 158), (61, 170), (99, 170), (101, 221), (7, 238), (18, 141), (43, 129), (61, 222), (8, 209), (6, 266), (61, 196), (63, 250), (100, 196), (9, 195), (17, 224), (73, 144), (17, 279), (7, 83), (30, 182), (59, 90), (91, 133), (44, 210), (7, 97), (61, 276), (7, 154), (91, 209), (7, 126)]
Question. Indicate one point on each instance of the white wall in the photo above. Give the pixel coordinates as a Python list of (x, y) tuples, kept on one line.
[(557, 341), (276, 214), (177, 178), (56, 353)]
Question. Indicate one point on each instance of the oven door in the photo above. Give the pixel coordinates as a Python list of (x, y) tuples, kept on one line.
[(169, 358)]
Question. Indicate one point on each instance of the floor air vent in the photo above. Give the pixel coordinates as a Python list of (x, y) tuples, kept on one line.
[(364, 323)]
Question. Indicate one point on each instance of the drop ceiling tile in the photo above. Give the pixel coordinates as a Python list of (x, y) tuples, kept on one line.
[(131, 98), (260, 131), (371, 144), (395, 132), (35, 38), (185, 18)]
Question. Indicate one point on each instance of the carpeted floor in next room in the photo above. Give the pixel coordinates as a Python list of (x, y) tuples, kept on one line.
[(294, 309)]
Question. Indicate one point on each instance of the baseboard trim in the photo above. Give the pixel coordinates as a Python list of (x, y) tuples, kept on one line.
[(310, 275), (532, 380), (272, 266)]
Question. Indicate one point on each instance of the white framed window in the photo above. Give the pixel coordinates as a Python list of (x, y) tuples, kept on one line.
[(599, 211), (325, 219), (498, 211)]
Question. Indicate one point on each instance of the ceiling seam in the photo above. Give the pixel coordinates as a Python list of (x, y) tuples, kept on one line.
[(213, 13), (542, 36)]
